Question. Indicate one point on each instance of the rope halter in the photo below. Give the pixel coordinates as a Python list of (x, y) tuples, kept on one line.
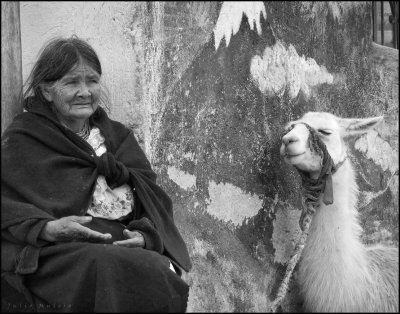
[(313, 188)]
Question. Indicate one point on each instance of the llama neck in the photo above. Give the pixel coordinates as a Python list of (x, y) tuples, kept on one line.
[(334, 273), (334, 233), (340, 218)]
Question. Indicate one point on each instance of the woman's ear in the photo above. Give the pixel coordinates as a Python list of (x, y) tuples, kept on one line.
[(45, 88)]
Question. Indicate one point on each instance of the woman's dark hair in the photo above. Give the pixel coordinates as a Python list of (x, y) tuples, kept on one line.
[(58, 57)]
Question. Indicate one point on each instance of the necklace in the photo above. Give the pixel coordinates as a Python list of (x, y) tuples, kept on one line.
[(84, 133)]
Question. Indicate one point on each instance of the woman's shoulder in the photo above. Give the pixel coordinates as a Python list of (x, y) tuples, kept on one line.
[(24, 121), (35, 114), (26, 128)]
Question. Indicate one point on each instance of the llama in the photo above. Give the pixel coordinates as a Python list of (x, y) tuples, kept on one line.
[(337, 273)]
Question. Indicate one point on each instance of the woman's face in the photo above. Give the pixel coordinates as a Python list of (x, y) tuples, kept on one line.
[(76, 95)]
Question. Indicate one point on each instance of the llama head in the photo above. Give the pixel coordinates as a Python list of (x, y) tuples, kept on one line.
[(332, 130)]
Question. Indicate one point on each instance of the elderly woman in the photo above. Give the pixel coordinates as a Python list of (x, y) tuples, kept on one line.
[(85, 227)]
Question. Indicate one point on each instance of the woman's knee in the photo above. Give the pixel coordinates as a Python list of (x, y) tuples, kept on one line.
[(108, 254)]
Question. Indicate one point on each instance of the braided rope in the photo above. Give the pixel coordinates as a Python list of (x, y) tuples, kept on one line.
[(312, 190)]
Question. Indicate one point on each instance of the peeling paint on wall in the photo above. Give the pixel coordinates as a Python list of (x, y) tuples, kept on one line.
[(201, 248), (229, 203), (280, 69), (239, 292), (337, 8), (378, 150), (230, 18), (183, 179), (394, 188), (286, 233), (153, 67), (367, 196)]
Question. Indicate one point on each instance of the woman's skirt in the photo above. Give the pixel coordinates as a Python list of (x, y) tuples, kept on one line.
[(94, 277)]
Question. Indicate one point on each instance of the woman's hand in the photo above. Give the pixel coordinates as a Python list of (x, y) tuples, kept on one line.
[(70, 228), (134, 239)]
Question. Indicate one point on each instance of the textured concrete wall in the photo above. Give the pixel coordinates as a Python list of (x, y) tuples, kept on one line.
[(11, 67), (208, 94)]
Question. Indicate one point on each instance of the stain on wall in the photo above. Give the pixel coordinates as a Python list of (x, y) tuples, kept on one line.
[(230, 18), (375, 148), (196, 87), (281, 70)]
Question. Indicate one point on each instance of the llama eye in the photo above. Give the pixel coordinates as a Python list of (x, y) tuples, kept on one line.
[(325, 132)]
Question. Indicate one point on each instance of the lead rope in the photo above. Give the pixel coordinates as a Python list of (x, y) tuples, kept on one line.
[(312, 190)]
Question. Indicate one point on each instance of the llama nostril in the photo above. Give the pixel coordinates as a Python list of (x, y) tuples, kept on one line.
[(289, 139)]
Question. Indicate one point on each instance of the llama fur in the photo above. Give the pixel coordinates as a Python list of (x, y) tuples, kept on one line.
[(337, 273)]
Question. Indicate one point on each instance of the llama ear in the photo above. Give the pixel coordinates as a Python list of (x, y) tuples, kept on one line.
[(353, 127)]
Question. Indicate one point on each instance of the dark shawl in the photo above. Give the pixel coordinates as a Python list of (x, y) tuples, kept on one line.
[(49, 172)]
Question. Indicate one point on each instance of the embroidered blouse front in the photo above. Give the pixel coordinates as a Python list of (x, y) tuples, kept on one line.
[(108, 203)]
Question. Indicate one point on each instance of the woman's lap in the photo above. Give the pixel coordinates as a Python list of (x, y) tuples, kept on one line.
[(91, 277)]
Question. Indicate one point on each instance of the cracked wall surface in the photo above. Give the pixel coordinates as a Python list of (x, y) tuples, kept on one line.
[(194, 82)]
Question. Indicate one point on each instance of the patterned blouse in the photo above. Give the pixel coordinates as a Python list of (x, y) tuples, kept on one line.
[(108, 203)]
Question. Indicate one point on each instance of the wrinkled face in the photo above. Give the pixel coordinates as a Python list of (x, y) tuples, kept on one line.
[(295, 146), (76, 95)]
